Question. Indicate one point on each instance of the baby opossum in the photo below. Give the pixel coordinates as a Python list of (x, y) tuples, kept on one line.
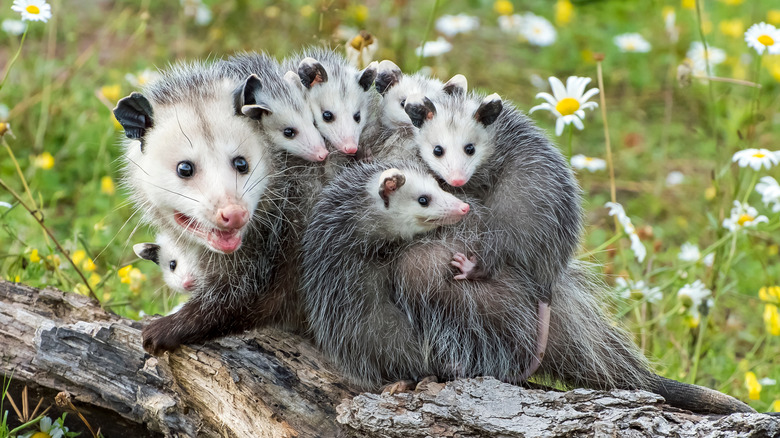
[(277, 101), (361, 222), (487, 150), (196, 167), (178, 260), (340, 97)]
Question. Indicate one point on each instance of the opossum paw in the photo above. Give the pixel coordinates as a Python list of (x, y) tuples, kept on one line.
[(464, 264), (400, 386), (159, 337), (423, 384)]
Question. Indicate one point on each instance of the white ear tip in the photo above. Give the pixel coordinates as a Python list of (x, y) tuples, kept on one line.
[(492, 97), (415, 99), (386, 64), (292, 75), (390, 173), (138, 249), (459, 80), (373, 64), (308, 61)]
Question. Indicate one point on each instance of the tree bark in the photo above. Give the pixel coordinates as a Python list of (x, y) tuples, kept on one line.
[(274, 384)]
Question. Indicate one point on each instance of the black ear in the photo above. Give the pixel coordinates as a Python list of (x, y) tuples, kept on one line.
[(312, 72), (366, 77), (148, 251), (387, 75), (489, 110), (134, 113), (389, 181), (456, 86), (419, 109), (247, 102)]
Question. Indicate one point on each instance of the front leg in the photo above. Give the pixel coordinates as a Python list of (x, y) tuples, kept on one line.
[(467, 266)]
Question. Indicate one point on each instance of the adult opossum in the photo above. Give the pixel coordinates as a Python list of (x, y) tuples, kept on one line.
[(360, 224), (197, 169), (527, 235)]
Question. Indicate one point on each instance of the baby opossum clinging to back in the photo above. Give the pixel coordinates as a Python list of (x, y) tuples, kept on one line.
[(178, 260), (530, 227), (360, 224)]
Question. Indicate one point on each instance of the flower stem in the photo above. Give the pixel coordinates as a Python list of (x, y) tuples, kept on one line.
[(428, 28), (19, 172), (13, 60), (712, 108), (750, 187), (703, 321), (603, 98)]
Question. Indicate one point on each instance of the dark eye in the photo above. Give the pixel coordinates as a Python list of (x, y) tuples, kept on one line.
[(356, 116), (172, 265), (241, 165), (469, 149), (289, 132), (403, 103), (327, 116), (185, 169), (438, 151), (423, 200)]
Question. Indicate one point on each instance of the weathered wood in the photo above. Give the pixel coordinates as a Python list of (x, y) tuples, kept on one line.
[(274, 384)]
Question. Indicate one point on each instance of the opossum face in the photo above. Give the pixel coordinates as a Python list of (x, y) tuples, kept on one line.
[(178, 261), (284, 117), (453, 139), (412, 202), (339, 103), (200, 169)]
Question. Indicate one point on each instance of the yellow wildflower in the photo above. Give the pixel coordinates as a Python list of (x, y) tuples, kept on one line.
[(306, 11), (107, 185), (563, 12), (111, 92), (136, 277), (81, 289), (732, 2), (775, 407), (772, 250), (751, 382), (770, 294), (89, 265), (732, 28), (106, 296), (34, 257), (94, 279), (44, 161), (773, 16), (78, 256), (18, 279), (124, 274), (689, 4), (772, 319), (709, 193), (503, 7), (666, 11), (359, 13), (54, 260)]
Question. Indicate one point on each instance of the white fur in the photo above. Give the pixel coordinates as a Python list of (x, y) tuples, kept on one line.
[(187, 262)]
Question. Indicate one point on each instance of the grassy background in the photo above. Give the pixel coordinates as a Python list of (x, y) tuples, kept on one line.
[(73, 69)]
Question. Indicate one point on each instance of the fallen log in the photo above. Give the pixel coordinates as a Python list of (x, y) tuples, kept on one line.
[(274, 384)]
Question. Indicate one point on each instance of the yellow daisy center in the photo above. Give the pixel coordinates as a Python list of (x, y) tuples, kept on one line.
[(32, 9), (588, 159), (759, 155), (567, 106), (744, 218), (766, 40), (630, 46)]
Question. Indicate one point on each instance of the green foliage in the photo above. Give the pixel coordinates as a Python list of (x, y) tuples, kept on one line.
[(73, 69)]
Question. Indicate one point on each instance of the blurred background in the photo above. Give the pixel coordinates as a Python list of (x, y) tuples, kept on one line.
[(674, 123)]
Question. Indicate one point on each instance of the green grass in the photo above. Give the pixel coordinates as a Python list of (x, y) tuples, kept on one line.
[(656, 126)]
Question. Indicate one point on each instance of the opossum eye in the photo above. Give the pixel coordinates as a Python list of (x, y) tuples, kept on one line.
[(185, 169), (356, 116), (327, 116), (241, 165), (172, 265), (438, 151), (289, 132), (423, 200), (403, 103), (469, 149)]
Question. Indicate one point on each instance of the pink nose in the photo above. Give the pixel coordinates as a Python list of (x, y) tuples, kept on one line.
[(232, 217), (322, 153), (349, 147), (457, 182), (188, 283), (464, 208), (457, 178)]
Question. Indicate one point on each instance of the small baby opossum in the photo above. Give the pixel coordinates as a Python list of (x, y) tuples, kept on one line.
[(361, 222), (178, 260)]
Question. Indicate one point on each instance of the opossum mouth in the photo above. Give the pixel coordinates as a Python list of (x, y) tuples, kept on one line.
[(225, 241), (438, 221)]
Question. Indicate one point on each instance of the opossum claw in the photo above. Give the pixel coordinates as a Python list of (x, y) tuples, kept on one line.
[(400, 386), (464, 264)]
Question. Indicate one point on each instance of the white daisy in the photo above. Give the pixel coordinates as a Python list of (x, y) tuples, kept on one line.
[(511, 23), (202, 15), (755, 158), (5, 204), (32, 10), (451, 25), (671, 28), (567, 103), (537, 30), (769, 190), (762, 36), (709, 259), (13, 27), (49, 428), (699, 59), (674, 178), (142, 78), (689, 252), (693, 295), (361, 49), (632, 43), (615, 209), (629, 289), (768, 381), (743, 215), (592, 164), (434, 48)]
